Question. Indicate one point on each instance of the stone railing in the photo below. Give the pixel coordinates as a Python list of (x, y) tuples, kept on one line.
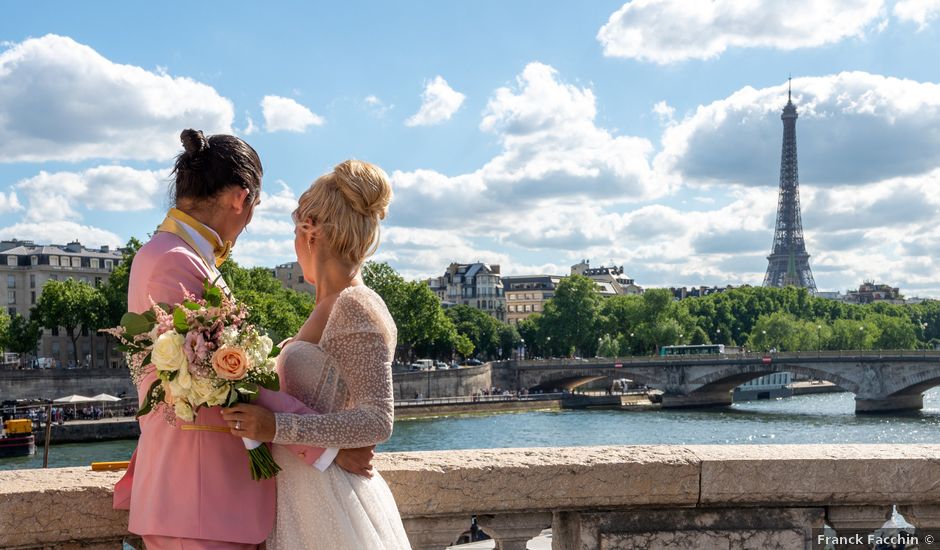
[(735, 496)]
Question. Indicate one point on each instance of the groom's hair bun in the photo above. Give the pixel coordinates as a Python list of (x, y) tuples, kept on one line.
[(346, 206), (207, 166)]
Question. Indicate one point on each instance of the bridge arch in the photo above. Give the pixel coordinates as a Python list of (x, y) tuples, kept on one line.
[(733, 376)]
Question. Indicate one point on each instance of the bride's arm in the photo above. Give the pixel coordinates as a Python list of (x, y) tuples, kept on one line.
[(363, 357)]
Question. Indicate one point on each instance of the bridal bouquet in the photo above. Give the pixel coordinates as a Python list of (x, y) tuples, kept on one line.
[(205, 355)]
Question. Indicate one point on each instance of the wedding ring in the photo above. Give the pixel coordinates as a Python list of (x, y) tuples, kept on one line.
[(238, 425)]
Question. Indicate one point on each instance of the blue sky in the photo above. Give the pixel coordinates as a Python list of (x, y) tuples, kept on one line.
[(529, 134)]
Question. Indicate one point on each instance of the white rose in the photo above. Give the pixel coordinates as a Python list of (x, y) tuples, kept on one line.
[(183, 410), (168, 353), (181, 385), (205, 391)]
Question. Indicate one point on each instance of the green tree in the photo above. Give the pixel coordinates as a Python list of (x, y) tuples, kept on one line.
[(609, 346), (4, 330), (894, 332), (422, 325), (23, 335), (463, 346), (72, 305), (509, 339), (385, 281), (849, 334), (572, 317), (482, 329)]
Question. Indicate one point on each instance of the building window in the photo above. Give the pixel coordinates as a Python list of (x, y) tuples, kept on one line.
[(84, 331), (11, 260), (300, 279), (54, 260), (34, 260), (11, 296), (11, 281), (93, 263), (97, 282), (53, 277), (55, 331), (109, 265), (32, 280), (32, 297), (12, 311), (76, 262)]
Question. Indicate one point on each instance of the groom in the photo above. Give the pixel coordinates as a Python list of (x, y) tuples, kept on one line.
[(188, 484)]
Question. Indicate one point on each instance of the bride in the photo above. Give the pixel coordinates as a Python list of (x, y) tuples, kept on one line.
[(339, 364)]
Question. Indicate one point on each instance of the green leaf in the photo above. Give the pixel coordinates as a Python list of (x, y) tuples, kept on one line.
[(214, 296), (232, 399), (192, 306), (135, 323), (179, 321), (150, 397)]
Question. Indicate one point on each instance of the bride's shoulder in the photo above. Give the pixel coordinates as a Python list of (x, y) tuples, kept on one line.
[(359, 308)]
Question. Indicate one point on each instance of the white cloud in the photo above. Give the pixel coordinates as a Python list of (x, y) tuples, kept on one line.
[(285, 114), (250, 127), (108, 188), (921, 12), (61, 232), (63, 101), (9, 202), (665, 112), (376, 106), (439, 103), (251, 252), (422, 253), (272, 216), (553, 154), (853, 128), (668, 31)]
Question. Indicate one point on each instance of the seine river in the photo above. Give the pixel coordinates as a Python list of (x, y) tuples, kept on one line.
[(825, 418)]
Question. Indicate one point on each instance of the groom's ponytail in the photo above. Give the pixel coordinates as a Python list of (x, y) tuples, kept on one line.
[(209, 165)]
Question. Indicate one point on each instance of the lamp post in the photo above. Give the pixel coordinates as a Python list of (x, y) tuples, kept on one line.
[(548, 344), (764, 337), (522, 340), (818, 341)]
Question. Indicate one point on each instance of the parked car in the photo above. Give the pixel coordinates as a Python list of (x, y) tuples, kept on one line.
[(424, 364), (473, 361), (441, 365)]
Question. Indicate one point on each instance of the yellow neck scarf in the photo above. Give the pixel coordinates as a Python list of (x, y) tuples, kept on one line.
[(172, 225)]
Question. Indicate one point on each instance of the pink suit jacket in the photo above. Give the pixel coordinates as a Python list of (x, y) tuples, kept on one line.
[(192, 484)]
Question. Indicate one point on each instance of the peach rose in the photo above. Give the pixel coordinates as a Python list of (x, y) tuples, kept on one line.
[(230, 363)]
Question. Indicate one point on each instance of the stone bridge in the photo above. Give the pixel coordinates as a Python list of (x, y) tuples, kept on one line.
[(880, 380)]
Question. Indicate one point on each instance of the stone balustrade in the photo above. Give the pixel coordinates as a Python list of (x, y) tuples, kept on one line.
[(714, 496)]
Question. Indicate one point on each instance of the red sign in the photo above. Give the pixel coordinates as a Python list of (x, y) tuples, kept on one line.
[(766, 359), (618, 365)]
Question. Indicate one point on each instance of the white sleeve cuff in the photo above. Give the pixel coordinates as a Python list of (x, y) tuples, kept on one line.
[(326, 459)]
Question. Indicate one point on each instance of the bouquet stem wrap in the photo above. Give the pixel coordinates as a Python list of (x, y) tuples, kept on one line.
[(260, 460)]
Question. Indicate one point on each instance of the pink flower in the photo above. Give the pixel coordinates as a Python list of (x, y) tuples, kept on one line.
[(230, 363), (195, 347)]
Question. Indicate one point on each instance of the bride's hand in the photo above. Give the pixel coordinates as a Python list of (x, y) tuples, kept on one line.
[(250, 421)]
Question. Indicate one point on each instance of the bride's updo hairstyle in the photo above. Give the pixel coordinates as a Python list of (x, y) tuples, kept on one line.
[(209, 165), (347, 205)]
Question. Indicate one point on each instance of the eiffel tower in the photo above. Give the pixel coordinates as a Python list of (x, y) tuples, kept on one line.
[(788, 263)]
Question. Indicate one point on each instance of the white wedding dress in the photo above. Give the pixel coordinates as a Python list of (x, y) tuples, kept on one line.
[(346, 377)]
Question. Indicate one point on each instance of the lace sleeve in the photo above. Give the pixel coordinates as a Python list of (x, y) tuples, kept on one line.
[(368, 417)]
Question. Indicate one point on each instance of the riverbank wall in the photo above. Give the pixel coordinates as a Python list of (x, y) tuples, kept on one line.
[(55, 383)]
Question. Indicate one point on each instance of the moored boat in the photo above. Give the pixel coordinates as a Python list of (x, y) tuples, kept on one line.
[(17, 438)]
